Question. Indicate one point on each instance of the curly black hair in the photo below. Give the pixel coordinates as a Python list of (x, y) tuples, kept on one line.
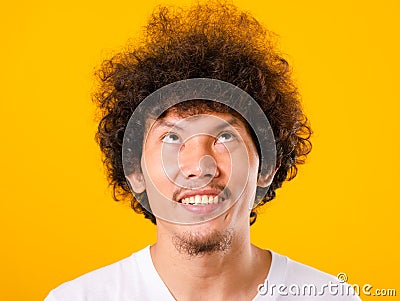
[(213, 40)]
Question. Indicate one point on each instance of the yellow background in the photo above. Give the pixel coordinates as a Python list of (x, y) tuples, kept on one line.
[(58, 220)]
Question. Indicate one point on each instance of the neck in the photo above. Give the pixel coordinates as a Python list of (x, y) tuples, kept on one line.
[(223, 275)]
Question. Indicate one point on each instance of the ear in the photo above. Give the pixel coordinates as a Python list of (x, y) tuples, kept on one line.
[(264, 180), (136, 181)]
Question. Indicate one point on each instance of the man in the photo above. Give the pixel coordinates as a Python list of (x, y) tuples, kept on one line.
[(200, 125)]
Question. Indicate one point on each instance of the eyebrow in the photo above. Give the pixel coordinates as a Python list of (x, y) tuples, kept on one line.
[(231, 122), (164, 123)]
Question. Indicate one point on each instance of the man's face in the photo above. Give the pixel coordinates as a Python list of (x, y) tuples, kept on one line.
[(200, 173)]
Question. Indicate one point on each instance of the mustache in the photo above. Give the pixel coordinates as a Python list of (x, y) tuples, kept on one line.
[(222, 188)]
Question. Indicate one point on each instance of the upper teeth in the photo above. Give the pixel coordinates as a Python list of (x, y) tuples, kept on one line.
[(202, 199)]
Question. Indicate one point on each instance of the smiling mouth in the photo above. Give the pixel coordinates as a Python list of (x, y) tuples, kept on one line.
[(202, 200)]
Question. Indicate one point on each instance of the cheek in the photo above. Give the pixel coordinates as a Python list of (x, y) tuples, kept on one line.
[(154, 173), (243, 165), (169, 161), (243, 178), (224, 161)]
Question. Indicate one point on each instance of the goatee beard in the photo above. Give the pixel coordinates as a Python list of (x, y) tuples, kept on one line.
[(197, 244)]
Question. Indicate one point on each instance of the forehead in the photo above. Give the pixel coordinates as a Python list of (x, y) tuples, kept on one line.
[(206, 121), (197, 107)]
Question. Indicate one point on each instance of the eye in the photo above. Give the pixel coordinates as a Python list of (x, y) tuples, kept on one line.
[(171, 138), (225, 137)]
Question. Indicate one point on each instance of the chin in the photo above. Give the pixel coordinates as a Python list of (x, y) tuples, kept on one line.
[(219, 223)]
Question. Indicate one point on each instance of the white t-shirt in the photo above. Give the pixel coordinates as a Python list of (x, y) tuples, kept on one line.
[(135, 278)]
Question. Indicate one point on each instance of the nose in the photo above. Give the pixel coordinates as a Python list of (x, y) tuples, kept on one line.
[(197, 158)]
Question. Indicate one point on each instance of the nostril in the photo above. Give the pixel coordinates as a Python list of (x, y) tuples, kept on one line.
[(208, 166)]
